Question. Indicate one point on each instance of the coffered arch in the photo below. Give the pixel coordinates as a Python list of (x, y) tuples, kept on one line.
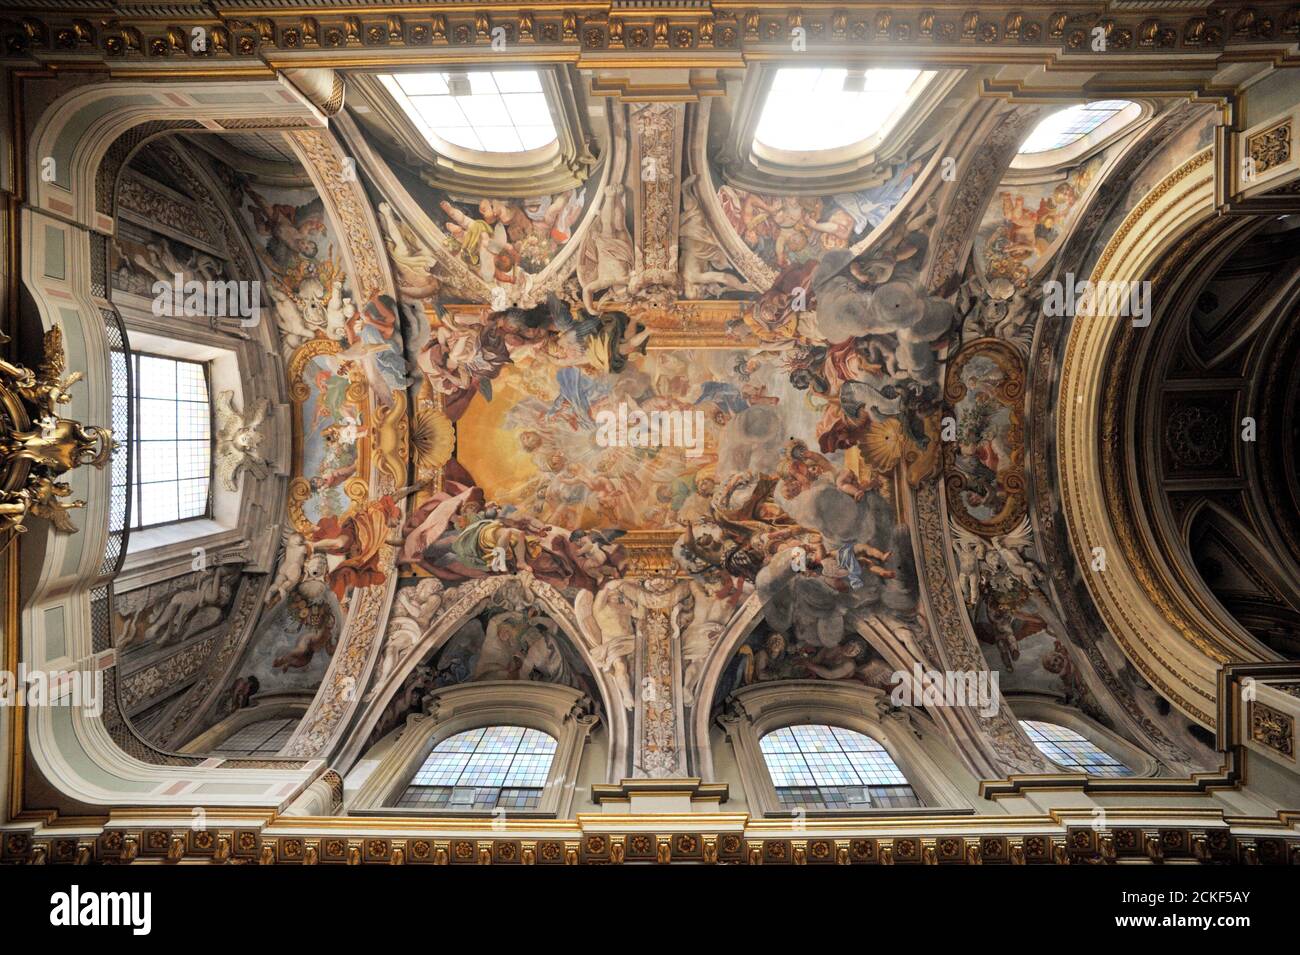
[(1172, 640), (1198, 424)]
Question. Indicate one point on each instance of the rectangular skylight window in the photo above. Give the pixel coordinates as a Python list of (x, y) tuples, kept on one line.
[(171, 444), (497, 111), (813, 109)]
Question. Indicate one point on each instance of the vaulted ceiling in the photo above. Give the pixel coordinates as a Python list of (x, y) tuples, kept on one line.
[(659, 380), (689, 364)]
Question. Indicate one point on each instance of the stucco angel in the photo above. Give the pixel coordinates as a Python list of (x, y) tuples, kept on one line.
[(970, 550), (980, 560), (1009, 553), (414, 609), (704, 265), (238, 439), (290, 570), (606, 257), (605, 621)]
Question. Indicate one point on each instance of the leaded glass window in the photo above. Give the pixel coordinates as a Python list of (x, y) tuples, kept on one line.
[(495, 111), (813, 109), (1067, 126), (827, 767), (263, 738), (483, 769), (1071, 751)]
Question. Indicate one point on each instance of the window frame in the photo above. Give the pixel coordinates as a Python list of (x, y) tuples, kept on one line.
[(1141, 764), (1086, 146), (136, 441), (287, 722), (165, 550), (758, 709), (834, 155), (259, 711), (841, 749), (566, 163), (392, 85), (562, 712), (499, 787), (747, 164)]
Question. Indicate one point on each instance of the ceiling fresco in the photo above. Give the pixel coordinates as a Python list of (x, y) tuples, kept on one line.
[(650, 433), (789, 417)]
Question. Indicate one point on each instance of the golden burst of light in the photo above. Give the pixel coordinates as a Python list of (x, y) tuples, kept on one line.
[(884, 444), (432, 438)]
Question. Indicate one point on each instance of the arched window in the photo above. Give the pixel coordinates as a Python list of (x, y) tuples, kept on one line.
[(263, 738), (827, 767), (171, 443), (810, 110), (483, 769), (514, 745), (1067, 126), (1072, 751)]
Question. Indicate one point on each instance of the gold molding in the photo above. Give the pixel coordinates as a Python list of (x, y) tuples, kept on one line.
[(38, 446), (1078, 446), (1059, 838), (725, 33)]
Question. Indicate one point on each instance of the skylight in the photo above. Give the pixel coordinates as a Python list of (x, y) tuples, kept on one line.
[(498, 111), (811, 109), (1070, 125)]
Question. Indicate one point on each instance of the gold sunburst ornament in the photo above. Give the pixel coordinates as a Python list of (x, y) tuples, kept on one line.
[(38, 446), (883, 444), (433, 438)]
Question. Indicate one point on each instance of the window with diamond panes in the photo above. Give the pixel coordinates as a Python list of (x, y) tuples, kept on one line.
[(264, 738), (828, 767), (1071, 751), (171, 442), (484, 769)]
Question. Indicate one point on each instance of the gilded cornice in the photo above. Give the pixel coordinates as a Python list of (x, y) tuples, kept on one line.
[(1064, 838), (699, 34)]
